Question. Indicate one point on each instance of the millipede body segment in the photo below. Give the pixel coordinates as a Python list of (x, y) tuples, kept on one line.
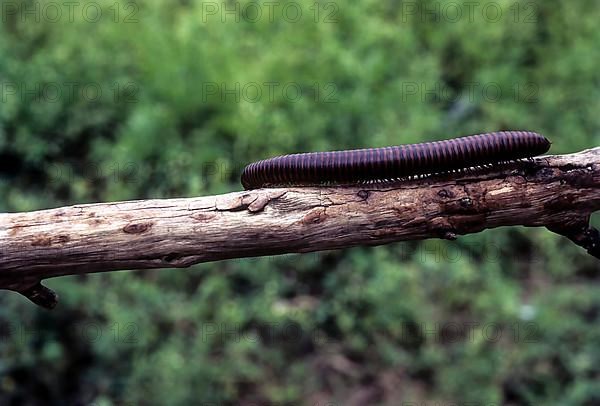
[(389, 163)]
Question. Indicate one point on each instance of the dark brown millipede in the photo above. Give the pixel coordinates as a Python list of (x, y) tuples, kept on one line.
[(390, 163)]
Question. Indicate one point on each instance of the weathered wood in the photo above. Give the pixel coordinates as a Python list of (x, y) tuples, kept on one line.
[(558, 192)]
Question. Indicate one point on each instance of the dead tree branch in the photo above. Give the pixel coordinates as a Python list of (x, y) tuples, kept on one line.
[(557, 192)]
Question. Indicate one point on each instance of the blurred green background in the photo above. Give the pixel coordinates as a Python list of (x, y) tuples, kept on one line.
[(105, 101)]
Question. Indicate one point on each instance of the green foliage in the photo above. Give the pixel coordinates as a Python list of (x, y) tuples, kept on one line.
[(507, 316)]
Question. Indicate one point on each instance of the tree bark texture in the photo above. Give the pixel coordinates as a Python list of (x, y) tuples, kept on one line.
[(558, 192)]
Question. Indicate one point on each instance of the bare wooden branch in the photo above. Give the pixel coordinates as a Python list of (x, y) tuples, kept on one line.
[(558, 192)]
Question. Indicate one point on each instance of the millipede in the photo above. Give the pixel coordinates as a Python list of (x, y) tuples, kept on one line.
[(393, 163)]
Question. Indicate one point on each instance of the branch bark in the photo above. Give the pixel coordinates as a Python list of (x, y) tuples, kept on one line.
[(557, 192)]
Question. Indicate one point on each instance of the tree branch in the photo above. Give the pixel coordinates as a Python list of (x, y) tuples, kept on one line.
[(558, 192)]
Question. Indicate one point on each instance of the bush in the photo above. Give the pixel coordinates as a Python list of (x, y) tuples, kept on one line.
[(168, 99)]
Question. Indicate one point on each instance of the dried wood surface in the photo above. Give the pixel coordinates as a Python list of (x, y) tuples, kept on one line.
[(557, 192)]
